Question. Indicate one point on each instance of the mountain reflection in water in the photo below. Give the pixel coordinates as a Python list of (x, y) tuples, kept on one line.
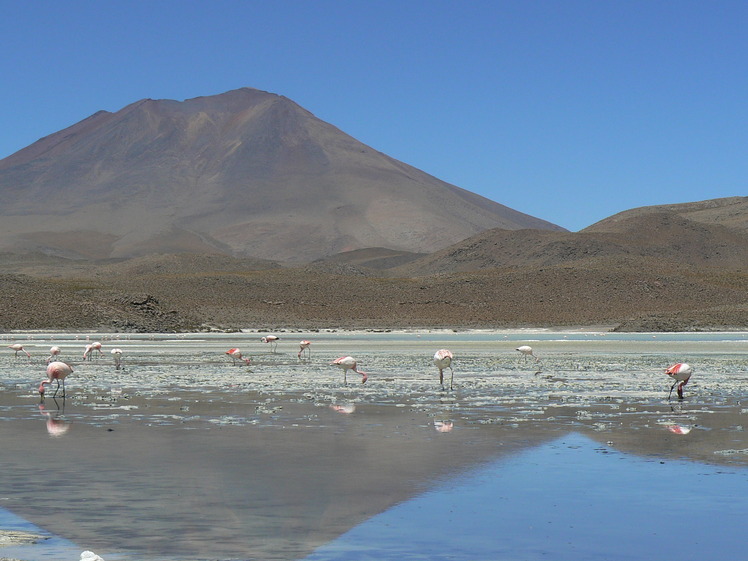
[(571, 499)]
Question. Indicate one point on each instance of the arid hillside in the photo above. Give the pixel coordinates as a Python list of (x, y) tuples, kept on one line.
[(663, 237), (246, 173), (561, 284)]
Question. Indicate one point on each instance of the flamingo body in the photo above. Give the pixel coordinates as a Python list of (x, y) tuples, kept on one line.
[(443, 360), (349, 363), (56, 371), (236, 354), (18, 348), (526, 351), (117, 356), (304, 348), (54, 352), (680, 373), (272, 340)]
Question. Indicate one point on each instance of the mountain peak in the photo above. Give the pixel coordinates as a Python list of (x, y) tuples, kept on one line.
[(245, 172)]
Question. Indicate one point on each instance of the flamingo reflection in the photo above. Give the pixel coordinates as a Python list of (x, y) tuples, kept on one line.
[(346, 409), (679, 429), (55, 426), (443, 426)]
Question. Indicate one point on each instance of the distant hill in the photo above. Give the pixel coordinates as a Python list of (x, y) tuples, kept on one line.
[(245, 173), (731, 212), (657, 234), (649, 270)]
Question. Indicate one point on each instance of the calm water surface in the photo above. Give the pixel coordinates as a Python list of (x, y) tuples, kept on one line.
[(182, 455)]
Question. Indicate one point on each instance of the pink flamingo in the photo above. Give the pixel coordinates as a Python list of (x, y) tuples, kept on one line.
[(237, 354), (349, 363), (54, 352), (117, 356), (18, 348), (56, 371), (273, 340), (442, 360), (526, 351), (681, 373), (304, 348)]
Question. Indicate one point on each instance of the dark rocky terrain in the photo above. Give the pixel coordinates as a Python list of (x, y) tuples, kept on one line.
[(658, 271)]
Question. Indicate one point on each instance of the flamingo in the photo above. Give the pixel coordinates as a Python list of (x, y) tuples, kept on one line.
[(443, 359), (681, 373), (349, 363), (54, 352), (526, 351), (96, 346), (236, 353), (273, 340), (304, 348), (117, 356), (58, 371), (18, 347)]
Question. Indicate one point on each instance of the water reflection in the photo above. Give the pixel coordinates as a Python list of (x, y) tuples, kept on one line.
[(345, 408), (594, 504), (56, 424), (443, 426)]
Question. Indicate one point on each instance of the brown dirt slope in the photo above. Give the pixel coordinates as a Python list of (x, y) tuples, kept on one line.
[(653, 271), (664, 236)]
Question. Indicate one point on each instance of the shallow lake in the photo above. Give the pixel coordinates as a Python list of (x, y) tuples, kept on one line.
[(183, 455)]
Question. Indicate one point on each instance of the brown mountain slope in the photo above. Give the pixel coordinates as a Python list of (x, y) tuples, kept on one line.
[(666, 237), (731, 212), (245, 173)]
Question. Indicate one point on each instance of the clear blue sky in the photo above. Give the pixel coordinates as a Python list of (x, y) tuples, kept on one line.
[(567, 110)]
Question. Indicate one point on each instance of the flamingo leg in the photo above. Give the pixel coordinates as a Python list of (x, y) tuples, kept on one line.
[(451, 378), (671, 390)]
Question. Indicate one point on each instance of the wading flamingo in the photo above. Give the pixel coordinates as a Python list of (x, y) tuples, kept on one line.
[(304, 349), (237, 354), (117, 356), (54, 352), (273, 340), (349, 363), (56, 371), (526, 351), (443, 359), (18, 348), (681, 373)]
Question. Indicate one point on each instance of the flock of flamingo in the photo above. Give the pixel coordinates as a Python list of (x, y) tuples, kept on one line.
[(57, 370)]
